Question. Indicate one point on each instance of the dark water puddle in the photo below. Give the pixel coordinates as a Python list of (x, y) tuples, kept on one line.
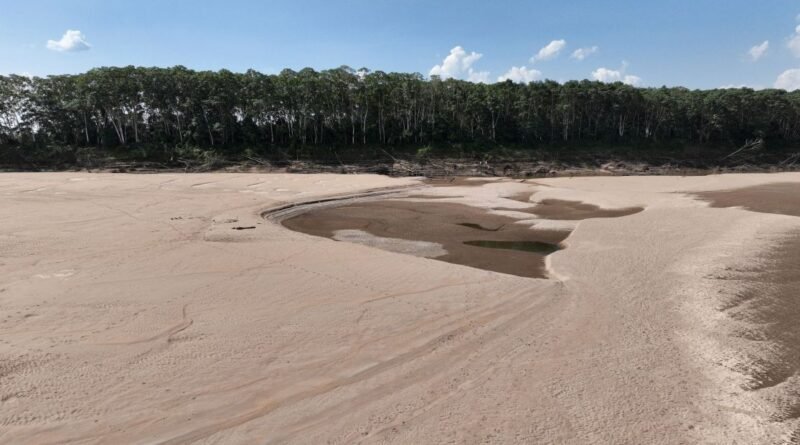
[(432, 197), (525, 246), (471, 236), (558, 209), (460, 181), (479, 227), (447, 224)]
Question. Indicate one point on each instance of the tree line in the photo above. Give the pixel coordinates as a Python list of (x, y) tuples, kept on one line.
[(227, 112)]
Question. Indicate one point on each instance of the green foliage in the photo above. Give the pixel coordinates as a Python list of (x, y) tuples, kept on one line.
[(169, 114), (424, 152)]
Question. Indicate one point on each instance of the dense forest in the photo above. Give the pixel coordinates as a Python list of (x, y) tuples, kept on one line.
[(162, 113)]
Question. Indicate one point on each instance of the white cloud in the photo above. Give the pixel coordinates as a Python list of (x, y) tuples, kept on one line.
[(758, 51), (794, 42), (478, 76), (582, 53), (72, 40), (550, 51), (458, 64), (632, 80), (734, 86), (608, 75), (789, 80), (521, 75)]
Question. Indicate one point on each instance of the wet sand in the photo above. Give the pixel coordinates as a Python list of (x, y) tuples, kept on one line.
[(771, 303), (781, 198), (471, 236), (572, 210), (762, 302), (463, 231), (521, 196), (450, 225), (133, 311)]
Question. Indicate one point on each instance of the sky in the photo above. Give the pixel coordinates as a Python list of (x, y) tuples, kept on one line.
[(691, 43)]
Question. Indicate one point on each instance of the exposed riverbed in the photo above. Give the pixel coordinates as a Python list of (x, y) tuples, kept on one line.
[(451, 232)]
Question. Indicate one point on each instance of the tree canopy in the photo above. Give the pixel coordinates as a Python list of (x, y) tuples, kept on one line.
[(226, 111)]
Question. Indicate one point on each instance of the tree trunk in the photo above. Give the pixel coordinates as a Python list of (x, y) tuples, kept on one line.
[(86, 128)]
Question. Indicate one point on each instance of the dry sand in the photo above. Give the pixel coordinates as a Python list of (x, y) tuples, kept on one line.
[(131, 311)]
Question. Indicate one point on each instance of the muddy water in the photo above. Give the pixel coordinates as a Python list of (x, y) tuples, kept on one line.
[(571, 210), (454, 226), (524, 246), (468, 235)]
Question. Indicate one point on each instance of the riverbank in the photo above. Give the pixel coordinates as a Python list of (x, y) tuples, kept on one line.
[(439, 162), (165, 308)]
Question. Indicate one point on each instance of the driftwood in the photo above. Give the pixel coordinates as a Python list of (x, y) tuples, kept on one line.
[(747, 151), (122, 167), (791, 160), (259, 161)]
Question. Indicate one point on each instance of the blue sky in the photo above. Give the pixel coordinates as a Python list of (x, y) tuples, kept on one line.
[(694, 43)]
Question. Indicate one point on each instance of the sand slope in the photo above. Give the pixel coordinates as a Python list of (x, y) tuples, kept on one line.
[(132, 311)]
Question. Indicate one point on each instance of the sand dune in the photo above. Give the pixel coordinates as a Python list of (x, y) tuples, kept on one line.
[(165, 309)]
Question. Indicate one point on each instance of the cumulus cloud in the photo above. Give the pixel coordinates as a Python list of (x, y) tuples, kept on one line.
[(734, 86), (608, 75), (478, 76), (72, 40), (582, 53), (794, 42), (789, 80), (758, 51), (552, 50), (521, 75), (458, 64)]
